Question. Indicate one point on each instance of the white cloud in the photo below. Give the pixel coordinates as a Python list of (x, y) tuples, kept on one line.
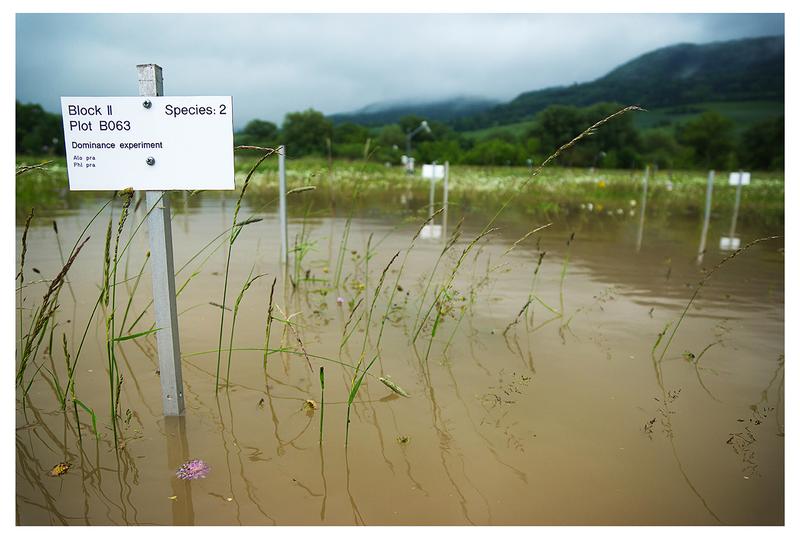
[(273, 64)]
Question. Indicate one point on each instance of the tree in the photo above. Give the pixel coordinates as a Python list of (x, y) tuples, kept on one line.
[(350, 132), (660, 147), (495, 152), (762, 144), (258, 133), (556, 125), (710, 135), (392, 135), (38, 131), (306, 133)]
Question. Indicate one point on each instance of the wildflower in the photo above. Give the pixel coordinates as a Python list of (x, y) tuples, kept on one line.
[(632, 203), (590, 206), (340, 300), (193, 469), (601, 184)]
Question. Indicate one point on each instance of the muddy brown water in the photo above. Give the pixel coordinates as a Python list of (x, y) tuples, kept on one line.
[(565, 418)]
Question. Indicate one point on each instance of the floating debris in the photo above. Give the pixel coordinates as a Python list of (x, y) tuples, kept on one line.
[(193, 469), (309, 406), (59, 469), (394, 387)]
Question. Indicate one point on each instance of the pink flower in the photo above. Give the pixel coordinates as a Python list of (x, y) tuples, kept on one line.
[(193, 469), (340, 301)]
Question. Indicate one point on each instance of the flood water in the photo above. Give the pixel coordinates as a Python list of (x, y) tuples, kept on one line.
[(564, 417)]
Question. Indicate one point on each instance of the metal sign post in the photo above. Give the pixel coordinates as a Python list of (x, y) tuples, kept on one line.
[(740, 178), (433, 172), (731, 242), (282, 206), (640, 235), (706, 217), (163, 272), (151, 143)]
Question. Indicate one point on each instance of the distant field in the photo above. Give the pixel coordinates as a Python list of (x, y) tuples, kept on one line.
[(743, 113)]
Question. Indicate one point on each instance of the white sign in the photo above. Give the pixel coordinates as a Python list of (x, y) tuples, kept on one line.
[(433, 171), (431, 232), (736, 177), (148, 143), (729, 244)]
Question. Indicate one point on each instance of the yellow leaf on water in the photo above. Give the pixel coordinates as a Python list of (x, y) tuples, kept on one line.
[(60, 469), (173, 497)]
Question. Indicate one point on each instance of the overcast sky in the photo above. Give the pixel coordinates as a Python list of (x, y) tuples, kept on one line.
[(274, 64)]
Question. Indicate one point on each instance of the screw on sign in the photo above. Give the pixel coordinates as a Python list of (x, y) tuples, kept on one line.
[(151, 145)]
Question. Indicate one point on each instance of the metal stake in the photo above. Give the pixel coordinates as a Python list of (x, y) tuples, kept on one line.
[(282, 205), (431, 197), (444, 200), (706, 217), (732, 233), (640, 235)]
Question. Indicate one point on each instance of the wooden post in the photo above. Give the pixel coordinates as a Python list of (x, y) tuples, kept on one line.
[(706, 217), (444, 200), (640, 235), (163, 272), (282, 206)]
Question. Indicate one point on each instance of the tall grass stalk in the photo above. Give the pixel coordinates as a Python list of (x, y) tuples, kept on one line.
[(446, 287), (535, 172), (268, 328), (321, 401), (447, 246), (231, 240), (359, 378), (696, 291), (115, 378), (244, 289), (43, 315), (563, 276), (21, 274), (400, 273)]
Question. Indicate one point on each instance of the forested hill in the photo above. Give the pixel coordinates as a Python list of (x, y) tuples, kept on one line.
[(390, 112), (740, 70)]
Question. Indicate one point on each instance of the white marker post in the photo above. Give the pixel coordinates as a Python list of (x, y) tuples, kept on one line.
[(640, 235), (282, 206), (159, 229), (432, 196), (738, 179), (153, 144), (444, 200), (433, 172), (706, 217)]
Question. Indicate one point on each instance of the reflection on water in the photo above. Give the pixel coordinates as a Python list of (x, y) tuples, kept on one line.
[(539, 389)]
